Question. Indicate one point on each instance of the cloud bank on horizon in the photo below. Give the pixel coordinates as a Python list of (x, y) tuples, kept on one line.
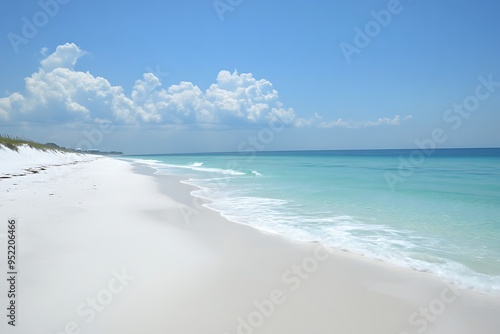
[(57, 93)]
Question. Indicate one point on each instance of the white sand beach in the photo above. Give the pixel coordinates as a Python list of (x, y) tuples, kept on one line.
[(105, 246)]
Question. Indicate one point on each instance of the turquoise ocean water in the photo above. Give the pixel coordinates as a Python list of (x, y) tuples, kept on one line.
[(431, 211)]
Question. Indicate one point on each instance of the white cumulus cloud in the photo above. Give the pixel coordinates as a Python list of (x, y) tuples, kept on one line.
[(57, 93), (65, 56)]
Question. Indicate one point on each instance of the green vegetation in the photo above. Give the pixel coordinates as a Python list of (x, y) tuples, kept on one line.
[(13, 143)]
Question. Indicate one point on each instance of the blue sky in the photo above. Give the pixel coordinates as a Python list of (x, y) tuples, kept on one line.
[(204, 75)]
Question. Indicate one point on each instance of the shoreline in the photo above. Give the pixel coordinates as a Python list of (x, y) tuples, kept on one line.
[(427, 278), (198, 201), (112, 233)]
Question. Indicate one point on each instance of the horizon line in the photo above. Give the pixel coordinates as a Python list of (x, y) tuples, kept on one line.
[(320, 150)]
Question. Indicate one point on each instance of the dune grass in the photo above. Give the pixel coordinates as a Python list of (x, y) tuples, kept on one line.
[(14, 142)]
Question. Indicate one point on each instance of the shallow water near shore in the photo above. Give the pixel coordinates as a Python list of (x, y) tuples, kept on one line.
[(439, 214)]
